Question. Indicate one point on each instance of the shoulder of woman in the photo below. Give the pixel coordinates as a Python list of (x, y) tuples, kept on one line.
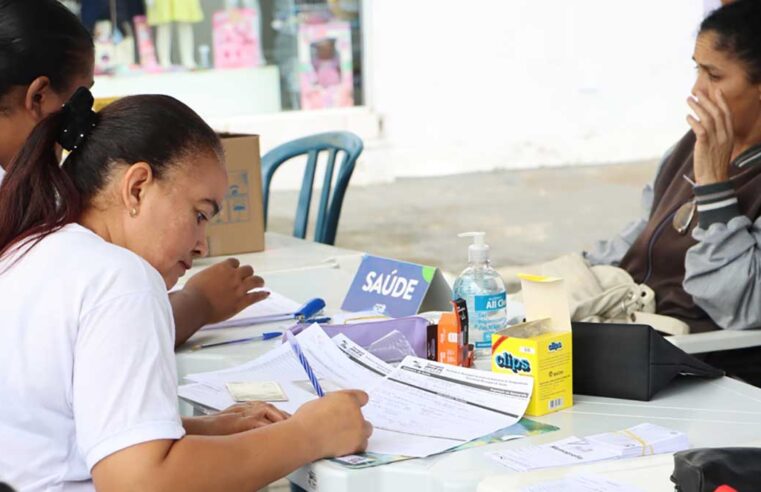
[(103, 266)]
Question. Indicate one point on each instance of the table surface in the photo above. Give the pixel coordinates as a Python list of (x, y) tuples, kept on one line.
[(712, 341), (712, 412), (699, 408), (282, 253)]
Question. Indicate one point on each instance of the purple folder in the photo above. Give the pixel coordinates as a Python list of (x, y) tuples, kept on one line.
[(413, 328)]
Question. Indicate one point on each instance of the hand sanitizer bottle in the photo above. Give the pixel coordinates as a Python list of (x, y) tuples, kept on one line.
[(484, 293)]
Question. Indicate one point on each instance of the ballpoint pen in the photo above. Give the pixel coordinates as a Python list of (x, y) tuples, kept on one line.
[(264, 336), (304, 363), (309, 309)]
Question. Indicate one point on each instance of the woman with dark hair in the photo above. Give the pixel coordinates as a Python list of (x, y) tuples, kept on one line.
[(699, 247), (88, 249), (45, 54)]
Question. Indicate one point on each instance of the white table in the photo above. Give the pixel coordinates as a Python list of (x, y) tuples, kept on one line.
[(713, 413), (282, 253), (712, 341)]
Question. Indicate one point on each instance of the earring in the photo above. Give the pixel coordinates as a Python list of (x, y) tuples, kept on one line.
[(133, 212)]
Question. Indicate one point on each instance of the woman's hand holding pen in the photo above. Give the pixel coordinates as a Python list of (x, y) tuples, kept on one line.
[(335, 423), (714, 137)]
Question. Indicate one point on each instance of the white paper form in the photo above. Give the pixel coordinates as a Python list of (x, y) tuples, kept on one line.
[(426, 407), (581, 483), (360, 370), (640, 440), (569, 451), (277, 365), (210, 397), (272, 305), (418, 409)]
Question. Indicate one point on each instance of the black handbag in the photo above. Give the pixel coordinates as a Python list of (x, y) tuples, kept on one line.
[(628, 361), (705, 469)]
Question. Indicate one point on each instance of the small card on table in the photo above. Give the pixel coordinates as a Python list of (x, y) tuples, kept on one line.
[(256, 391)]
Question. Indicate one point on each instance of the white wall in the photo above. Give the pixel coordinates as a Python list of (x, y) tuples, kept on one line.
[(484, 84)]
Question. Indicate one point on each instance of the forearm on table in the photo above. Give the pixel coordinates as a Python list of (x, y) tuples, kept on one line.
[(190, 311), (240, 462), (198, 426)]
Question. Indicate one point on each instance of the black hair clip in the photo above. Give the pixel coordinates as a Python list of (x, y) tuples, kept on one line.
[(78, 119)]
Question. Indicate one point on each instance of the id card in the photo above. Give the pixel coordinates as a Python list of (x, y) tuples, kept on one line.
[(256, 391)]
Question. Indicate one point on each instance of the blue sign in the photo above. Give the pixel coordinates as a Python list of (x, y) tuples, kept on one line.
[(394, 288)]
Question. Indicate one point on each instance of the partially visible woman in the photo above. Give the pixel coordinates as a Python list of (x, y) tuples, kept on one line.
[(699, 247), (45, 54), (87, 251)]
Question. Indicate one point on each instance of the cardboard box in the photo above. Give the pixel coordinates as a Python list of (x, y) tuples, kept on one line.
[(541, 347), (239, 226)]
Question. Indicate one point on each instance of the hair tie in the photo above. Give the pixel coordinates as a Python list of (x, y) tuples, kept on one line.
[(78, 119)]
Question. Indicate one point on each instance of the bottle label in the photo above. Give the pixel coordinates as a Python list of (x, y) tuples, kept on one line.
[(489, 315), (491, 302)]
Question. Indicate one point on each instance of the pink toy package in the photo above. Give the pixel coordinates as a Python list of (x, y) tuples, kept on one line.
[(145, 47), (236, 39), (325, 65)]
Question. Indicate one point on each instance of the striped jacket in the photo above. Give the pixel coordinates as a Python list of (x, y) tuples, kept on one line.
[(709, 273)]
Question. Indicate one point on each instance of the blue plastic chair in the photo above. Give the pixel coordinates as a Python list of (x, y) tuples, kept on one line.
[(329, 208)]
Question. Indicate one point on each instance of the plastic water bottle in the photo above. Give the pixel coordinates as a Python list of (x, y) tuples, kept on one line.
[(484, 293)]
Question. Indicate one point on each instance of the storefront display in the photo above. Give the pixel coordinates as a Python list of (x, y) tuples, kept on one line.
[(164, 15), (314, 45), (236, 38), (325, 65)]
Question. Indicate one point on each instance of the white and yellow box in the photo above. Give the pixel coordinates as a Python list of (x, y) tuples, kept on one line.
[(541, 347)]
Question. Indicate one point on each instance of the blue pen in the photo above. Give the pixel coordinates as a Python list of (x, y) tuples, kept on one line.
[(304, 363), (264, 336), (311, 308)]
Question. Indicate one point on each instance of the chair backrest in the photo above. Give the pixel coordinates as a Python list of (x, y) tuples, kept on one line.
[(329, 208)]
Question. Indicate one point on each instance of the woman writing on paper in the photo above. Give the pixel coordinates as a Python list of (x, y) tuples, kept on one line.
[(87, 251), (45, 54)]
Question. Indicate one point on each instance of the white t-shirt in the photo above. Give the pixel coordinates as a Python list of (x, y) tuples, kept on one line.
[(87, 360), (2, 174)]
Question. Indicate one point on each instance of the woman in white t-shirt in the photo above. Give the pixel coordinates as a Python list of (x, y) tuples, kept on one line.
[(87, 252), (45, 54)]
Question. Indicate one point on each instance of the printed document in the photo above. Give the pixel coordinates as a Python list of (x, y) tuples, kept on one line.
[(640, 440), (417, 409)]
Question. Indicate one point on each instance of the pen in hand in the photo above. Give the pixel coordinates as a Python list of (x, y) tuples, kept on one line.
[(304, 363)]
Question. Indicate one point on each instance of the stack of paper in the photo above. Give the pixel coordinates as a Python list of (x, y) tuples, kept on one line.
[(641, 440), (417, 409)]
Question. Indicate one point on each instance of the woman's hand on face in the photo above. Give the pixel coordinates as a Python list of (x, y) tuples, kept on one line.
[(226, 288), (714, 137), (237, 418)]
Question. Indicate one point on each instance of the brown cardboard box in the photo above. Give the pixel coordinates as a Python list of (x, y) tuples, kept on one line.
[(239, 226)]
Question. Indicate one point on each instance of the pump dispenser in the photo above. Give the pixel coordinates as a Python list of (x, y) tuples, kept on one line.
[(478, 252), (484, 293)]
